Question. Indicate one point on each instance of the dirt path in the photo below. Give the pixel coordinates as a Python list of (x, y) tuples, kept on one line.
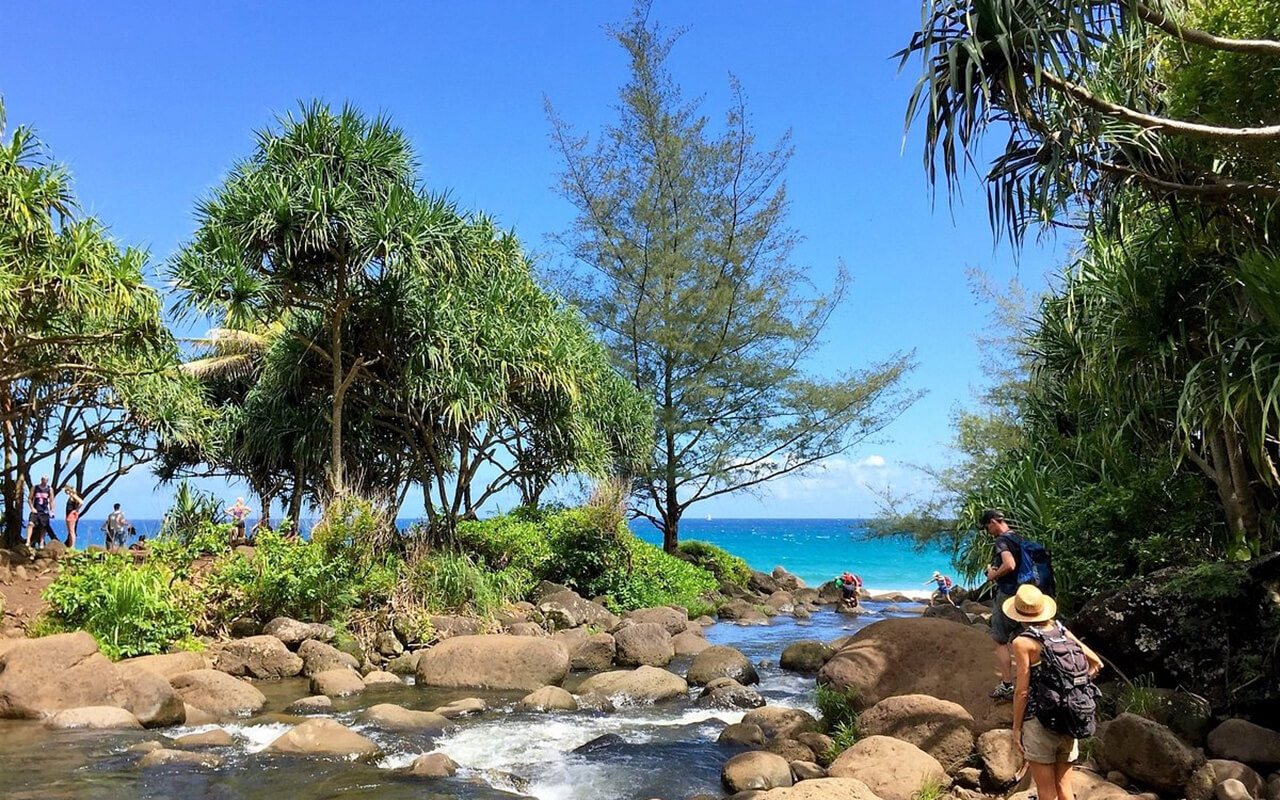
[(21, 583)]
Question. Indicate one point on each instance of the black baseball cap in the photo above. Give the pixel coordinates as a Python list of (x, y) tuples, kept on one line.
[(990, 515)]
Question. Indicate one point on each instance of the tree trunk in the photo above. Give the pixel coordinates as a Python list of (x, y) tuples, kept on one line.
[(335, 431), (12, 482)]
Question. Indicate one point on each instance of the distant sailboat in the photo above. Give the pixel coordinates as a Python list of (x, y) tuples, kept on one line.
[(708, 518)]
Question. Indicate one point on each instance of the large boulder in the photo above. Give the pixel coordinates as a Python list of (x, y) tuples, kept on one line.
[(324, 738), (762, 583), (433, 765), (948, 612), (293, 633), (718, 661), (319, 657), (390, 717), (941, 728), (640, 686), (337, 683), (755, 770), (1239, 740), (39, 677), (689, 643), (218, 693), (1147, 752), (594, 653), (643, 644), (95, 718), (892, 769), (494, 662), (548, 698), (1001, 760), (742, 734), (742, 612), (257, 657), (166, 665), (151, 698), (822, 789), (674, 620), (728, 694), (806, 655), (565, 608), (1206, 628), (781, 722), (785, 580), (919, 656)]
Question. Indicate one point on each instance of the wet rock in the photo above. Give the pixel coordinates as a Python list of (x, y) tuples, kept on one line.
[(594, 653), (1148, 752), (166, 665), (433, 765), (391, 717), (324, 738), (640, 686), (675, 621), (762, 583), (568, 609), (92, 718), (643, 644), (293, 633), (791, 750), (806, 771), (159, 759), (745, 734), (145, 747), (941, 728), (39, 677), (728, 694), (548, 698), (892, 769), (315, 704), (217, 693), (781, 601), (1252, 744), (494, 662), (337, 683), (198, 716), (462, 708), (806, 655), (406, 664), (721, 662), (600, 744), (755, 770), (821, 789), (743, 612), (689, 643), (150, 698), (781, 721), (213, 738), (785, 580), (999, 756), (819, 743), (382, 680), (258, 657)]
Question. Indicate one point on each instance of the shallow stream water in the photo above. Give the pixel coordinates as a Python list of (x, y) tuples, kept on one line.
[(666, 751)]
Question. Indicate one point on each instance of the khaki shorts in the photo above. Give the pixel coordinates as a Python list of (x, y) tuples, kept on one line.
[(1043, 746)]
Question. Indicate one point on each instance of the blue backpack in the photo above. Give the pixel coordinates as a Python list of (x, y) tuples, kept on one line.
[(1035, 565)]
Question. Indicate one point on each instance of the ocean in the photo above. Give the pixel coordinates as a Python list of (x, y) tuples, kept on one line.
[(816, 550)]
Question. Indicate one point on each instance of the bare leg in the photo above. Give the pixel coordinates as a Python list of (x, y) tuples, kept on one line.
[(1045, 778), (1062, 779), (71, 533), (1003, 664)]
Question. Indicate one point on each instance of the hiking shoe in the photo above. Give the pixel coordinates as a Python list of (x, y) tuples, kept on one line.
[(1003, 691)]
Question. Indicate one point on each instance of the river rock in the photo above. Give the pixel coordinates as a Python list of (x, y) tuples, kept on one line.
[(218, 693), (244, 627), (158, 759), (1273, 787), (941, 728), (406, 664), (820, 743), (821, 789), (1200, 786), (1000, 758), (643, 644), (462, 708), (791, 750), (1224, 769), (781, 721), (892, 769), (315, 704), (640, 686), (379, 679), (919, 656), (741, 611), (525, 629), (728, 694), (39, 677), (391, 717), (293, 633), (214, 738), (318, 657), (1088, 785), (755, 770), (721, 662), (807, 771), (806, 655), (762, 583), (94, 718), (257, 657), (166, 665), (433, 765), (689, 643), (494, 662), (1232, 789), (1147, 752), (781, 601), (1188, 715), (744, 734), (150, 698), (675, 621), (946, 611), (1239, 740), (548, 698), (568, 609), (198, 716), (337, 683), (388, 644), (594, 653), (447, 626), (325, 738)]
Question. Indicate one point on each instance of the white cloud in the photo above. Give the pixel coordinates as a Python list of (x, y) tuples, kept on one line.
[(872, 461)]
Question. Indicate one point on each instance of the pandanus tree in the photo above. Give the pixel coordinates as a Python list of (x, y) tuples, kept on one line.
[(1155, 128)]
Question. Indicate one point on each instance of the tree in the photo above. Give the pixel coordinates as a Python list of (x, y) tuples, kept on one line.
[(684, 232), (87, 366)]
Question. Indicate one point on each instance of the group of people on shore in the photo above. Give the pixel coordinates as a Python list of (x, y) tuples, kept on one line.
[(39, 524)]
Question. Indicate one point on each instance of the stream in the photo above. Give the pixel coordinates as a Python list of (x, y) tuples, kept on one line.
[(667, 751)]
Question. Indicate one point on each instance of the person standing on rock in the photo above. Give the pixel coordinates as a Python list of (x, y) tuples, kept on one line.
[(944, 587), (1003, 571), (1054, 699)]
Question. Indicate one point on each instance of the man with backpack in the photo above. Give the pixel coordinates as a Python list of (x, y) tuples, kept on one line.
[(1017, 562), (1055, 700)]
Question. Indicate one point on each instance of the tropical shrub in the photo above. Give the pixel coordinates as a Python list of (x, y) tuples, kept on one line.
[(457, 582), (512, 539), (727, 567)]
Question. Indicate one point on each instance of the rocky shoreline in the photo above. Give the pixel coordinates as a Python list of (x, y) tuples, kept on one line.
[(918, 683)]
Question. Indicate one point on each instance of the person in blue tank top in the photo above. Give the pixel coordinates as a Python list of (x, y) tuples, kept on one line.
[(1003, 571)]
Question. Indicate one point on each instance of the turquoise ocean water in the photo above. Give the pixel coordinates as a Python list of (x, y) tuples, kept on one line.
[(814, 549)]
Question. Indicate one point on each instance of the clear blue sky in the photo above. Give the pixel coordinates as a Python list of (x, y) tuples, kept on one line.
[(149, 108)]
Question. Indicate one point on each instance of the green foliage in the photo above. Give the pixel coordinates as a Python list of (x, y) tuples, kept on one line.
[(131, 610), (1209, 582), (837, 708), (1139, 697), (512, 539), (930, 789), (727, 567), (456, 582), (843, 736), (191, 515)]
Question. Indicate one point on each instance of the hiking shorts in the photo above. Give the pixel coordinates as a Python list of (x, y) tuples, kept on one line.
[(1043, 746), (1003, 629)]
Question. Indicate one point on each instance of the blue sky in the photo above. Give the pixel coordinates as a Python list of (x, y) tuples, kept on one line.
[(149, 106)]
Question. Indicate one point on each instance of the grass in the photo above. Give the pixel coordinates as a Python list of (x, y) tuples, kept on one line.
[(1139, 697), (930, 789), (839, 713)]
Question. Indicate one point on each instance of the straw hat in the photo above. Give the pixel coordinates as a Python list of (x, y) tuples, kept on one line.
[(1030, 605)]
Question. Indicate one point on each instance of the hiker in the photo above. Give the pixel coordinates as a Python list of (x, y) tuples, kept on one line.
[(1054, 700), (116, 527), (1004, 572), (238, 513), (850, 585), (41, 511), (944, 586), (74, 501)]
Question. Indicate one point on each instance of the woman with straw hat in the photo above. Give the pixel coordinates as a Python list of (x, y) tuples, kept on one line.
[(1048, 647)]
